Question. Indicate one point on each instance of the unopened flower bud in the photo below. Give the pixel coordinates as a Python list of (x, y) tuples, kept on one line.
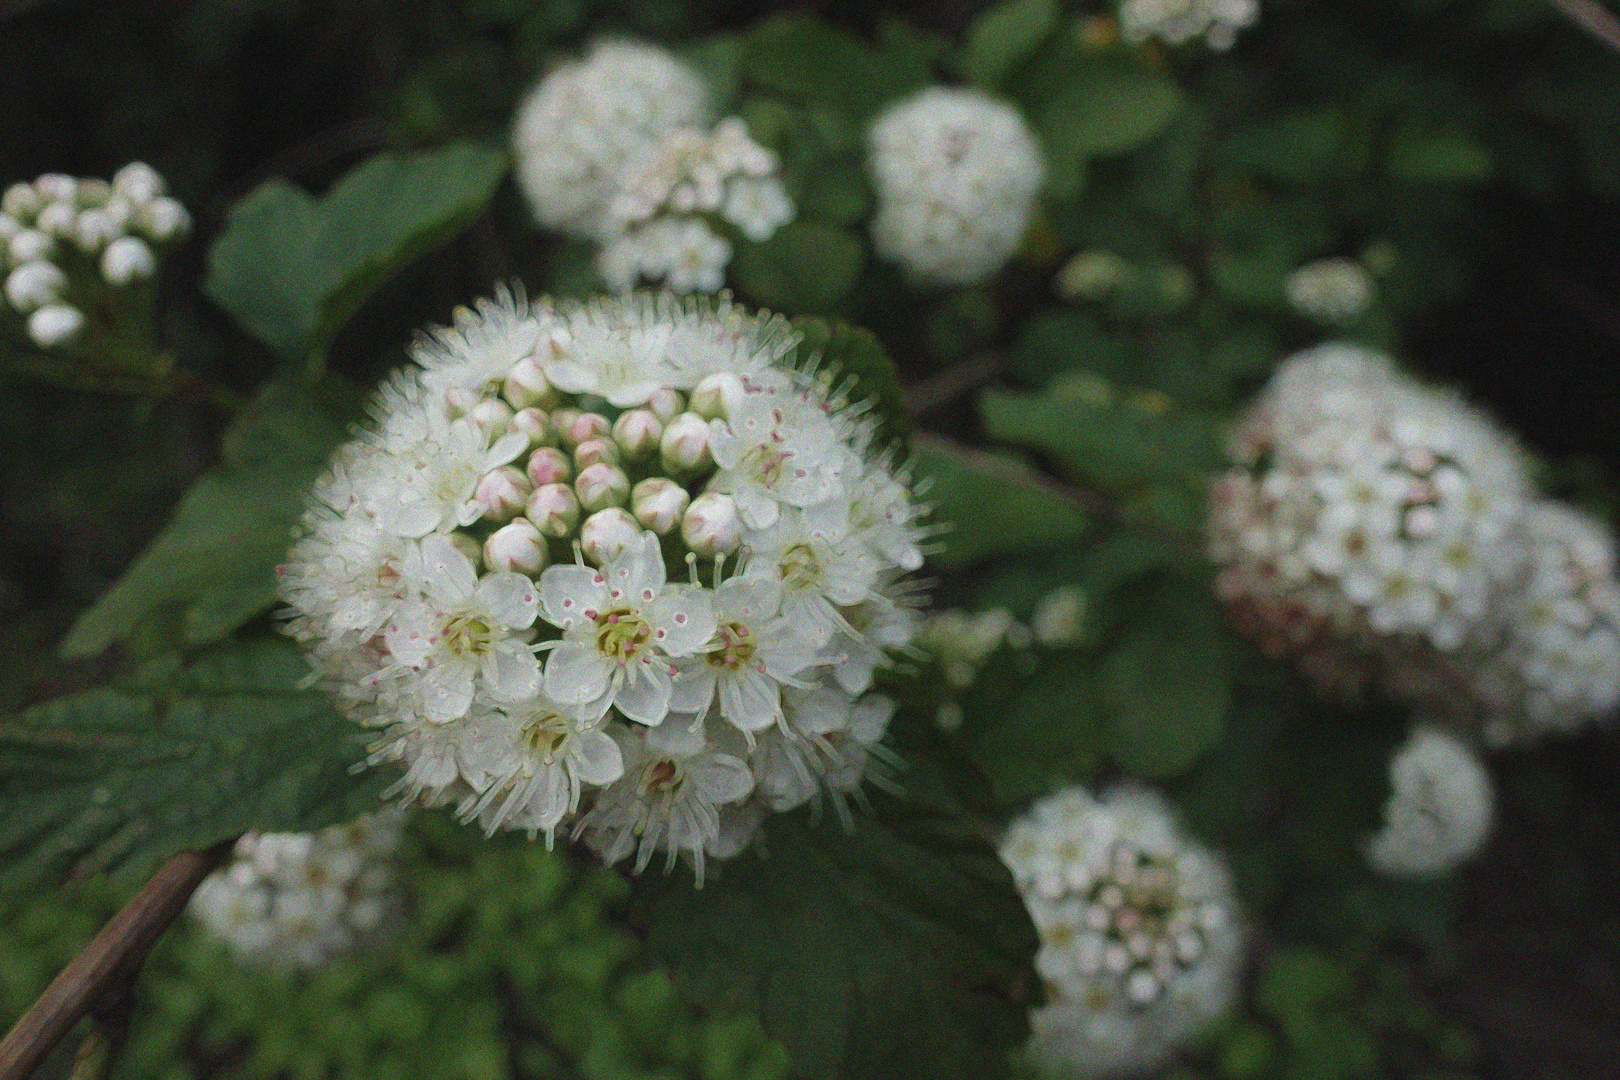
[(57, 220), (591, 451), (554, 509), (491, 416), (665, 403), (55, 324), (33, 285), (119, 210), (501, 493), (126, 259), (467, 546), (578, 427), (94, 230), (534, 424), (21, 201), (685, 445), (601, 485), (516, 546), (548, 465), (638, 432), (56, 187), (528, 385), (717, 396), (9, 227), (606, 533), (94, 192), (711, 525), (138, 182), (163, 219), (30, 245), (658, 503)]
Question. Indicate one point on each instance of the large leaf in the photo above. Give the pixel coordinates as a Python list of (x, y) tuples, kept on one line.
[(1002, 36), (804, 266), (807, 59), (1106, 106), (117, 780), (852, 354), (1032, 732), (212, 568), (895, 949), (990, 505), (292, 268)]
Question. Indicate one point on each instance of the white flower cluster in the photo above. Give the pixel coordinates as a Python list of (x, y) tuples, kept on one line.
[(584, 123), (1179, 21), (956, 175), (1439, 811), (60, 234), (702, 543), (655, 223), (1332, 290), (297, 900), (1141, 944), (1377, 530)]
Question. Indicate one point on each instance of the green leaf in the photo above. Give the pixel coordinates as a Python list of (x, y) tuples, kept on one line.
[(1167, 685), (1107, 106), (849, 352), (990, 505), (291, 268), (1004, 35), (1033, 732), (804, 266), (1300, 146), (808, 59), (1447, 157), (895, 949), (213, 565), (117, 780)]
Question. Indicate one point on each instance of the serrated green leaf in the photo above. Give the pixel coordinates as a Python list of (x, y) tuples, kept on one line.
[(849, 352), (291, 268), (1004, 35), (214, 564), (896, 949), (990, 505), (808, 59), (117, 780), (1107, 106), (804, 266)]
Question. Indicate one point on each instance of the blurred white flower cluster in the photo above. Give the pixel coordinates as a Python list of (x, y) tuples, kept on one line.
[(704, 545), (1179, 21), (1380, 531), (67, 240), (956, 174), (1141, 942), (297, 900), (656, 229), (1439, 811), (1331, 290), (617, 148)]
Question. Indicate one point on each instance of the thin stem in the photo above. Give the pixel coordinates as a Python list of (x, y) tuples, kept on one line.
[(108, 962)]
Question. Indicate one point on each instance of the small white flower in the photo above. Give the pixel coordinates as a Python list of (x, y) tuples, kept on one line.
[(754, 652), (539, 756), (757, 205), (1333, 290), (55, 324), (1179, 21), (1440, 812), (34, 285), (126, 259)]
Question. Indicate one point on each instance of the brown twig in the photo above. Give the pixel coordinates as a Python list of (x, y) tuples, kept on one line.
[(1592, 17), (946, 385), (108, 962)]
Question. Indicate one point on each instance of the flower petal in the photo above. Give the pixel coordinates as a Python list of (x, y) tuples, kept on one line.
[(511, 670), (576, 674), (645, 692), (510, 599), (567, 592), (596, 758), (683, 619)]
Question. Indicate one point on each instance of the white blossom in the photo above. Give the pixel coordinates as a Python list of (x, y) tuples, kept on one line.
[(1332, 290), (1179, 21), (1440, 810)]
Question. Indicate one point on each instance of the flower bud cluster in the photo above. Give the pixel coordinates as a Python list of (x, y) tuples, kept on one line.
[(1379, 531), (656, 222), (297, 900), (1140, 935), (1439, 811), (63, 240), (956, 175), (585, 122), (611, 567), (1331, 290), (1179, 21)]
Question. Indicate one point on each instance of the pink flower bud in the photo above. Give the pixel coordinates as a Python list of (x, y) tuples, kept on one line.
[(581, 426), (606, 533), (527, 385), (717, 396), (554, 509), (592, 451), (501, 493), (658, 503), (516, 546), (637, 432), (601, 485), (533, 423), (492, 417), (548, 465), (685, 445), (711, 525), (665, 404)]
